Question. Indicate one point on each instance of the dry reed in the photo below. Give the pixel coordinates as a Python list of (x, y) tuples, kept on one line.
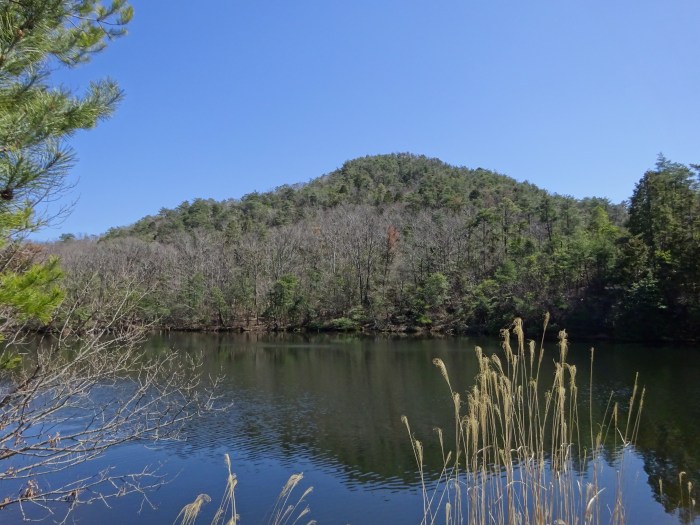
[(284, 512), (518, 456)]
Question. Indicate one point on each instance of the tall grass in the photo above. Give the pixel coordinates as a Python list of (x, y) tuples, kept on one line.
[(287, 510), (517, 455)]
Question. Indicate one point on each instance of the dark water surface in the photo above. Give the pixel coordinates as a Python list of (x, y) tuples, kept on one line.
[(330, 407)]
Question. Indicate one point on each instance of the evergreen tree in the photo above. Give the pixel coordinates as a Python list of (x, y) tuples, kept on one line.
[(35, 121), (664, 215)]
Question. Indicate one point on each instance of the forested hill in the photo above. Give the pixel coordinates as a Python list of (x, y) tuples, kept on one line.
[(404, 242), (409, 182)]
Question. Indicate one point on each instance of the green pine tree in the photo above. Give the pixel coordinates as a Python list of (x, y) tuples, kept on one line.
[(664, 217), (36, 119)]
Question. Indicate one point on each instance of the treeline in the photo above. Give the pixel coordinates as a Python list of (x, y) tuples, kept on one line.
[(403, 242)]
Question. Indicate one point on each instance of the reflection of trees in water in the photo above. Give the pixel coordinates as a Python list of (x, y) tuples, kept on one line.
[(670, 444), (669, 437), (337, 401), (663, 475)]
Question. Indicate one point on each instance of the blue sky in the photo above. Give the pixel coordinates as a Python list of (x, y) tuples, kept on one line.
[(226, 97)]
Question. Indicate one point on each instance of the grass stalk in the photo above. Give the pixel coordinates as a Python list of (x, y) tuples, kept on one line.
[(284, 512), (519, 456)]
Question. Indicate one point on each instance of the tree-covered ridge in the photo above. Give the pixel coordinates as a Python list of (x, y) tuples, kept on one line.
[(404, 242), (402, 180)]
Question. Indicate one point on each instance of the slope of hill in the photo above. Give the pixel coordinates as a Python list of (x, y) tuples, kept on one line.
[(405, 242)]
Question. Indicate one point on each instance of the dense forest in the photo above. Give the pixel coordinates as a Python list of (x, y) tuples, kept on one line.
[(402, 243)]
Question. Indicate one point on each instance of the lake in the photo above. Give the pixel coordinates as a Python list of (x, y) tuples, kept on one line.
[(330, 406)]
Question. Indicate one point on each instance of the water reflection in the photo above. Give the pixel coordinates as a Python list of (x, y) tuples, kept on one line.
[(337, 400), (330, 405)]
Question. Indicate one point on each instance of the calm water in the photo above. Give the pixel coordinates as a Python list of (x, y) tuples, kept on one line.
[(330, 407)]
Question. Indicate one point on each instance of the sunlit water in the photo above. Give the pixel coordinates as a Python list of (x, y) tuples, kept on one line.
[(330, 407)]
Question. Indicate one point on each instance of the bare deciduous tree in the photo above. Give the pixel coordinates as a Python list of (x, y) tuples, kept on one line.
[(84, 388)]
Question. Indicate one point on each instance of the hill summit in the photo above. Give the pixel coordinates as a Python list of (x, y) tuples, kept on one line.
[(402, 180)]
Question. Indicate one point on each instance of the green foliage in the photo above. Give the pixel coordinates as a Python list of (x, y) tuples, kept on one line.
[(284, 299), (423, 320), (642, 309), (33, 293), (659, 271), (36, 119), (435, 290), (344, 324), (9, 360)]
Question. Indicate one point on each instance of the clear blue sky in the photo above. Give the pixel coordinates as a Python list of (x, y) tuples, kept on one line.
[(226, 97)]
